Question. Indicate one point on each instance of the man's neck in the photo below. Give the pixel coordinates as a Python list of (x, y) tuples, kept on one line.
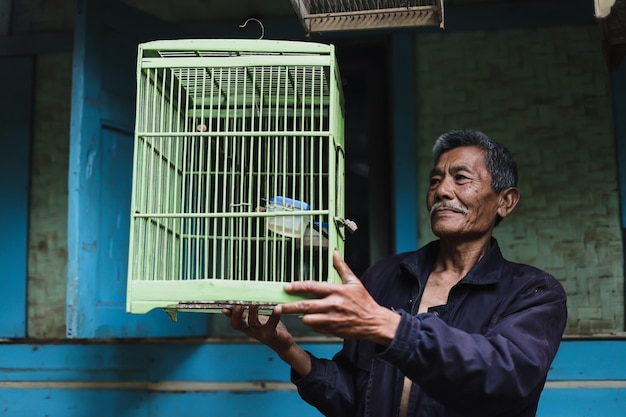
[(456, 259)]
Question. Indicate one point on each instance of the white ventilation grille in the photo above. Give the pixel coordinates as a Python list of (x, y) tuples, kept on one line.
[(343, 15)]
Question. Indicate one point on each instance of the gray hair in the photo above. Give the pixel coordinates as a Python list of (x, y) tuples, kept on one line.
[(499, 161)]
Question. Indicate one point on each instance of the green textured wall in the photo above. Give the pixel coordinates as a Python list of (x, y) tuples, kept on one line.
[(47, 251), (545, 94)]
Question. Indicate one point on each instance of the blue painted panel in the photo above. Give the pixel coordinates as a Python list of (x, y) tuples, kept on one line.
[(404, 146), (174, 361), (145, 363), (73, 403), (576, 361), (197, 361), (16, 84), (113, 163), (227, 362), (139, 403), (220, 404), (583, 402), (101, 141), (110, 362), (590, 360), (604, 402)]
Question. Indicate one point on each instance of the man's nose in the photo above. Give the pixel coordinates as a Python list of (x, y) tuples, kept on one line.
[(445, 189)]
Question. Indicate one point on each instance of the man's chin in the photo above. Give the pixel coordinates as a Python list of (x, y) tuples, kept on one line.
[(447, 231), (444, 227)]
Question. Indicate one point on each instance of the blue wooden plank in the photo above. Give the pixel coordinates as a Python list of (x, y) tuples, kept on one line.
[(587, 360), (146, 362), (82, 199), (236, 362), (74, 362), (220, 404), (139, 403), (583, 402), (73, 403), (247, 362), (404, 146), (198, 361), (176, 361), (590, 360), (16, 84), (131, 379)]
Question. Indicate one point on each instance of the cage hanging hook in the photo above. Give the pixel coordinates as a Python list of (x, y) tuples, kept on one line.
[(256, 20)]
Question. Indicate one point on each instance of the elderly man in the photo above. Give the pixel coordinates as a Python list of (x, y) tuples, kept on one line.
[(452, 329)]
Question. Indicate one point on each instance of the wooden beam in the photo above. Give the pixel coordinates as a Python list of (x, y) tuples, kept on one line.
[(458, 17)]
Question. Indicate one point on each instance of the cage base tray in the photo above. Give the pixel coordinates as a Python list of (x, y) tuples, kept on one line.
[(207, 295), (216, 307)]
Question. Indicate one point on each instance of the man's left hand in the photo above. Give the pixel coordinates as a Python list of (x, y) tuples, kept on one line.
[(344, 310)]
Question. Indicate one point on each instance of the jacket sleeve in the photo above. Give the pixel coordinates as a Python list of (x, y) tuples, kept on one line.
[(334, 386), (329, 386), (484, 374)]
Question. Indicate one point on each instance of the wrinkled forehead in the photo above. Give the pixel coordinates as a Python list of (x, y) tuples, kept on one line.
[(470, 157)]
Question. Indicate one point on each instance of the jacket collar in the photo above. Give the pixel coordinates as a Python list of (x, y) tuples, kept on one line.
[(485, 272)]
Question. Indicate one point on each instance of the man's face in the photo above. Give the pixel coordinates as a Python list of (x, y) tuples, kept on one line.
[(460, 198)]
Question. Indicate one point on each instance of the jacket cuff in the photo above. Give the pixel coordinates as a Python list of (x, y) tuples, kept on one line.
[(400, 348)]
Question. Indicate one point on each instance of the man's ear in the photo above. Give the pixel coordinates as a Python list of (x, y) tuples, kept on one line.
[(508, 199)]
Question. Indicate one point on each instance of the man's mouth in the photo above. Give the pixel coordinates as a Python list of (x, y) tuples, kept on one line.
[(447, 206)]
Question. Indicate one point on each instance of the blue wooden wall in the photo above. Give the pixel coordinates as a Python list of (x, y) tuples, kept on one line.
[(243, 380)]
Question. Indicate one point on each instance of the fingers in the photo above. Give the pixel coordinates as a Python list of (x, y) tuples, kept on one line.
[(250, 323), (319, 289), (342, 268), (237, 318), (286, 308), (311, 306), (322, 289), (273, 320), (253, 317)]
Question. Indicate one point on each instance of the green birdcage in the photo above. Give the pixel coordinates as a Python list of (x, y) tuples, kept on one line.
[(238, 173)]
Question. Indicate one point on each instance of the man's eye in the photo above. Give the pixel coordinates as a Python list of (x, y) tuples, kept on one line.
[(460, 178), (434, 181)]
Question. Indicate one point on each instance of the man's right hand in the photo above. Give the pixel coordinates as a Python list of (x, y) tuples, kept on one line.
[(271, 332)]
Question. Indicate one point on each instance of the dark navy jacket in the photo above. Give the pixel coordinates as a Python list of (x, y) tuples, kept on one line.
[(485, 353)]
